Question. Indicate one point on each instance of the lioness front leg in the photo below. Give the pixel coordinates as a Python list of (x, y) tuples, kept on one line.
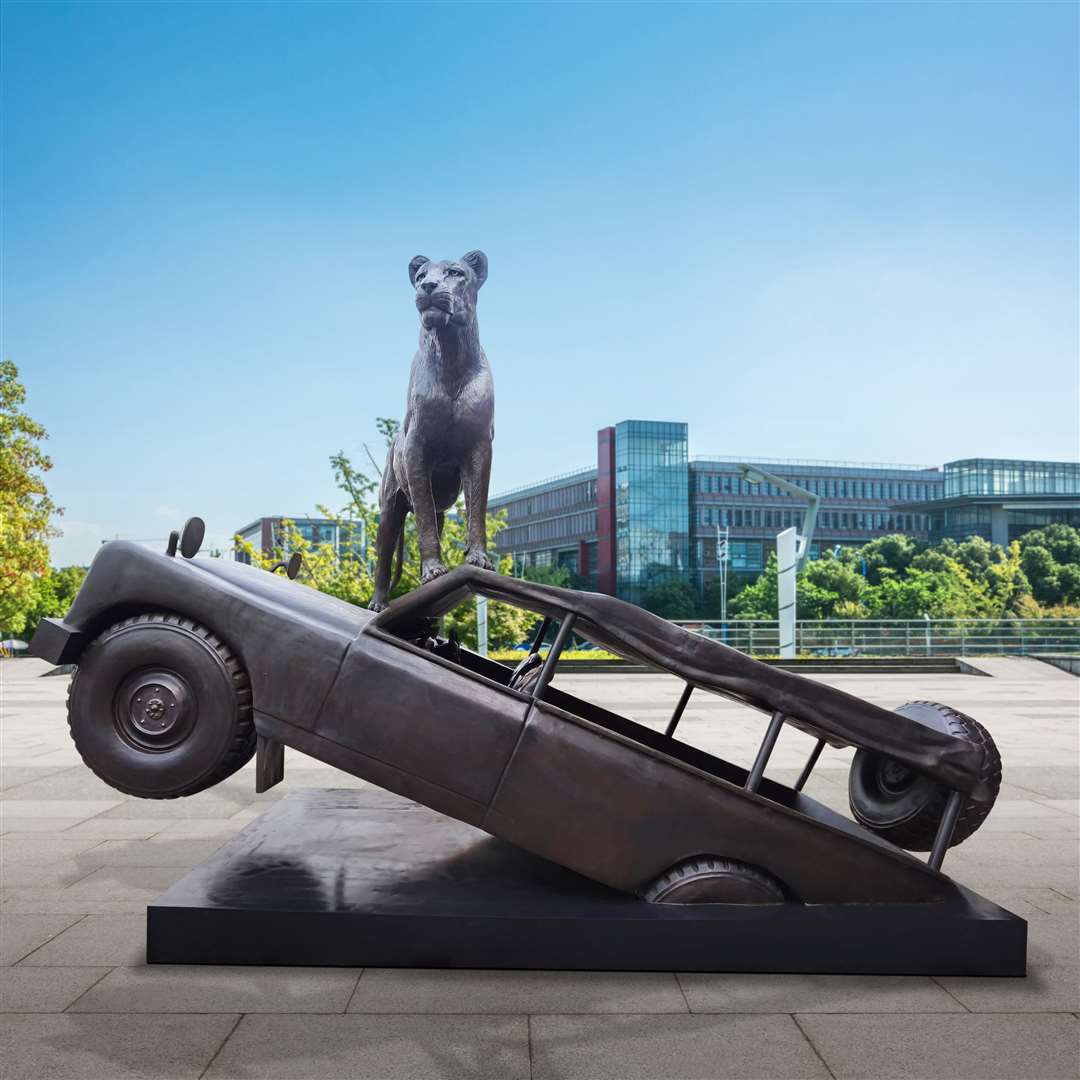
[(427, 528), (477, 475)]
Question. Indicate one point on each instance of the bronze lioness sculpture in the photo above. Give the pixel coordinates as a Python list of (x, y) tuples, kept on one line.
[(444, 445)]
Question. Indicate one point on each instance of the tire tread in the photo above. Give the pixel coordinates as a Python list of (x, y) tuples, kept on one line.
[(703, 866), (918, 832)]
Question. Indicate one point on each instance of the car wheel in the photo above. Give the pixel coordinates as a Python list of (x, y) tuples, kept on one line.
[(160, 707), (709, 879), (904, 806)]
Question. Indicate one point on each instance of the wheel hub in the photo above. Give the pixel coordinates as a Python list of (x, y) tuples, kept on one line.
[(893, 777), (155, 709)]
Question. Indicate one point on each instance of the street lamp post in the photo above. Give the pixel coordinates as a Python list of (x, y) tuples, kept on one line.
[(722, 567), (792, 548)]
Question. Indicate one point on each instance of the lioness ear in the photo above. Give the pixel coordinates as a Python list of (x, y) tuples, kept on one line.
[(414, 267), (477, 262)]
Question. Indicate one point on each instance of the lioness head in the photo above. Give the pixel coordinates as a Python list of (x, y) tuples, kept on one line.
[(446, 291)]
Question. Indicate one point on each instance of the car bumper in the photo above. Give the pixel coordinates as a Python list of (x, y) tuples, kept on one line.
[(57, 642)]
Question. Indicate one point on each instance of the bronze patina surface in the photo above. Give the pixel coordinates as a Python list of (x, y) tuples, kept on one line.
[(444, 445)]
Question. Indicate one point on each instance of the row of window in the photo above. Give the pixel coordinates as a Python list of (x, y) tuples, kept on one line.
[(567, 526), (766, 518), (985, 476), (882, 490), (557, 499)]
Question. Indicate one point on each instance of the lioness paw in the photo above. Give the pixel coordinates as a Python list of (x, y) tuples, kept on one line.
[(478, 557), (430, 570)]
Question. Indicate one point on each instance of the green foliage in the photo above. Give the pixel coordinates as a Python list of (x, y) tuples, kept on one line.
[(26, 510), (671, 600), (947, 592), (53, 593), (906, 580), (1050, 558), (831, 588), (884, 556), (757, 600), (559, 576)]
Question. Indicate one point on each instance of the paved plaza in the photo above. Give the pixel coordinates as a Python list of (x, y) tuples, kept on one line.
[(81, 862)]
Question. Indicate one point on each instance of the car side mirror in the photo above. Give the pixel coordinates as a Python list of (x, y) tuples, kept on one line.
[(191, 537)]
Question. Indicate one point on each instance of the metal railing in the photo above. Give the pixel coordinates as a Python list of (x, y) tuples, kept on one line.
[(898, 637)]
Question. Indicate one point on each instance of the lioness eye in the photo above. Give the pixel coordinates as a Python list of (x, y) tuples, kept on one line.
[(455, 271)]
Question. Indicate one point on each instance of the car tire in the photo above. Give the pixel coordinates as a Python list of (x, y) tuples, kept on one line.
[(709, 879), (906, 807), (160, 707)]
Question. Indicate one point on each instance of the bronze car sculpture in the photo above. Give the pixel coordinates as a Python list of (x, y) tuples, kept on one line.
[(186, 667)]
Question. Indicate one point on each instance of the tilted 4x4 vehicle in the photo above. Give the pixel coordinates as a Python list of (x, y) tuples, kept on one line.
[(185, 666)]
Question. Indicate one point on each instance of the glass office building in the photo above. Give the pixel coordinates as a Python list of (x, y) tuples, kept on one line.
[(855, 506), (649, 513), (1001, 499), (994, 476), (652, 508)]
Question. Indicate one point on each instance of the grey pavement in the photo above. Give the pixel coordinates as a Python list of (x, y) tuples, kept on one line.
[(81, 861)]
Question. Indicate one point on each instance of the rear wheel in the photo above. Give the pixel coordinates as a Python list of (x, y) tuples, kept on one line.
[(906, 807), (709, 879), (160, 707)]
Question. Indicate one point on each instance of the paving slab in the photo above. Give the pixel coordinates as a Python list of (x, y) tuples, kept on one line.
[(955, 1047), (94, 941), (67, 902), (42, 849), (686, 1047), (76, 782), (398, 990), (375, 1048), (12, 776), (708, 993), (77, 809), (161, 851), (167, 989), (144, 883), (103, 828), (50, 875), (40, 989), (1048, 988), (69, 1047), (205, 805), (17, 825), (21, 934)]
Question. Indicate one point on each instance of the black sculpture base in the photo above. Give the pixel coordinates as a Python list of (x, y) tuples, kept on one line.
[(361, 878)]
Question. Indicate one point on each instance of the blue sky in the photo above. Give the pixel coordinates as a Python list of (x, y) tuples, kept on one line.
[(830, 231)]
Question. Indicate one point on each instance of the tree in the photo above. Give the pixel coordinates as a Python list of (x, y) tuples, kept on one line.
[(886, 555), (1050, 558), (1062, 541), (945, 593), (26, 511), (671, 600), (559, 576), (825, 588), (758, 599), (1041, 570), (829, 588), (53, 594)]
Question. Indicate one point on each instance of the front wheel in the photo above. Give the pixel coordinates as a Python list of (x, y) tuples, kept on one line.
[(160, 707), (906, 807)]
